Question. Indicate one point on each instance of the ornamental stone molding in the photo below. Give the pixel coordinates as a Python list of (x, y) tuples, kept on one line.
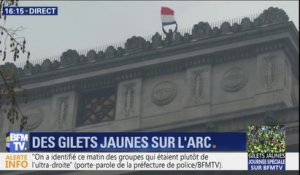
[(164, 93), (110, 52), (120, 51), (46, 65), (100, 56), (135, 44), (69, 58), (157, 41), (201, 30), (177, 38), (271, 16), (102, 82), (235, 27), (56, 64), (225, 28), (91, 56), (246, 24), (234, 79), (186, 38)]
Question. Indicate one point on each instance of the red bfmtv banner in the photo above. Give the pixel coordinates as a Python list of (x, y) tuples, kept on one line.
[(167, 16)]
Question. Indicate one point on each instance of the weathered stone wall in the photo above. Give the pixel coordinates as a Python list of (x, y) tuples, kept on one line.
[(195, 93)]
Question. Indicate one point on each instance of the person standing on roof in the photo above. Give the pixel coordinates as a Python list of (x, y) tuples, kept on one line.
[(167, 18)]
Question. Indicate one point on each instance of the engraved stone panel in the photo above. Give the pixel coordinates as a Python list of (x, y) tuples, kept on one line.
[(272, 85), (164, 92), (128, 99), (64, 108), (271, 72), (62, 112), (234, 80), (198, 85), (173, 90)]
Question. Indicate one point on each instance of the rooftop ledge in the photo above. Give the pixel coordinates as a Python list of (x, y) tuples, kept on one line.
[(141, 49)]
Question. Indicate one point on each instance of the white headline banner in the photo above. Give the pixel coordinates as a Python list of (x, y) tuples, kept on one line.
[(132, 161)]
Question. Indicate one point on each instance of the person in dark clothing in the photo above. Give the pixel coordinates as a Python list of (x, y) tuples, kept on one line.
[(169, 35)]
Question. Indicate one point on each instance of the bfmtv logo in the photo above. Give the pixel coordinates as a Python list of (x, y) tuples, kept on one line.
[(17, 141)]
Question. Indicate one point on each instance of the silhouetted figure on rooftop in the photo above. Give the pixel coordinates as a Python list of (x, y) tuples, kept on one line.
[(169, 35)]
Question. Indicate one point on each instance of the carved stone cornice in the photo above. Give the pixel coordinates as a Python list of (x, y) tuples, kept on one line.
[(81, 85), (159, 69), (128, 75), (50, 71)]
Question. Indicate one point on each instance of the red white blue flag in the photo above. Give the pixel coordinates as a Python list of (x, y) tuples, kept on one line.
[(167, 16)]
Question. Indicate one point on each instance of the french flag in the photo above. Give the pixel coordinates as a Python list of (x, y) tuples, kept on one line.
[(167, 16)]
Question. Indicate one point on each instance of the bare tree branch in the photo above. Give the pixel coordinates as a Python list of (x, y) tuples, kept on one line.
[(9, 83)]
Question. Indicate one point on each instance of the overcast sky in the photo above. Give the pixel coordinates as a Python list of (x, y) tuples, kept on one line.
[(81, 25)]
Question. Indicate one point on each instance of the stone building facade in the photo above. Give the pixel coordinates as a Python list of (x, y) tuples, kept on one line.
[(219, 79)]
